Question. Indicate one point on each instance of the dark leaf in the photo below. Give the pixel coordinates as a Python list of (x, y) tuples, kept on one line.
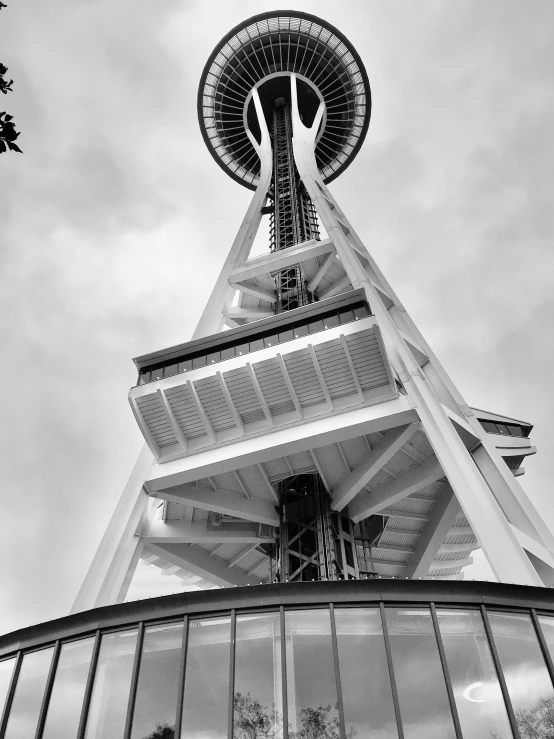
[(14, 147), (8, 118), (2, 147)]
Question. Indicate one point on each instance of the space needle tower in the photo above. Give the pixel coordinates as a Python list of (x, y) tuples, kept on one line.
[(311, 469)]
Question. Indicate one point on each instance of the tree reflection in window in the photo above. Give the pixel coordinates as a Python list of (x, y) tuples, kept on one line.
[(311, 688), (527, 678)]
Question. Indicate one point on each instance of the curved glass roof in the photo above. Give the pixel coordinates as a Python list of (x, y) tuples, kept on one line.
[(281, 42)]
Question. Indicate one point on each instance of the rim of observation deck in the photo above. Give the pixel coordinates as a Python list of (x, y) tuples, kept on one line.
[(222, 92)]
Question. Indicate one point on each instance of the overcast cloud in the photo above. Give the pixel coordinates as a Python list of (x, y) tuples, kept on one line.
[(115, 221)]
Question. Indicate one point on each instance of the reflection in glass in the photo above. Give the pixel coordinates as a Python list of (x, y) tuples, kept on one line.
[(156, 701), (66, 701), (475, 683), (6, 671), (206, 697), (424, 706), (311, 689), (525, 672), (364, 674), (258, 707), (28, 696), (112, 683)]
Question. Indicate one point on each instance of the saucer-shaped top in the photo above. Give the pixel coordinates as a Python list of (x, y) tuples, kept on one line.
[(264, 49)]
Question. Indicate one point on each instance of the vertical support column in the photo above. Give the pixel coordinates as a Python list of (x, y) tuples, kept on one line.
[(109, 572), (507, 557)]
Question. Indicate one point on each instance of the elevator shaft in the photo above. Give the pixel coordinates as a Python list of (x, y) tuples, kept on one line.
[(293, 218)]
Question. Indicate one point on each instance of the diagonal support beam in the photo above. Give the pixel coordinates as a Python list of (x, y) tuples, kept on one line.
[(322, 271), (435, 531), (198, 562), (257, 292), (221, 501), (177, 430), (360, 476), (208, 428), (368, 504), (180, 532)]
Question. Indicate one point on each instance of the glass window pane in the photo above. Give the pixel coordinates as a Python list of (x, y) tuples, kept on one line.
[(315, 326), (228, 353), (258, 687), (346, 316), (502, 429), (199, 362), (171, 370), (364, 674), (547, 626), (242, 349), (157, 374), (424, 706), (156, 702), (361, 312), (527, 678), (331, 321), (112, 682), (300, 331), (214, 357), (6, 671), (271, 340), (29, 692), (66, 701), (205, 706), (514, 430), (474, 680), (489, 427), (311, 690), (256, 344), (185, 365), (286, 336)]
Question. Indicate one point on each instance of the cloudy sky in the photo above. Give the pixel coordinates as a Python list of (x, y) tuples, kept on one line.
[(115, 221)]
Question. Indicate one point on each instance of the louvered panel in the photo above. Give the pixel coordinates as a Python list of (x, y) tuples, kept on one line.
[(185, 411), (412, 505), (367, 359), (382, 552), (155, 417), (250, 560), (407, 539), (335, 369), (407, 524), (254, 482), (273, 386), (331, 463), (460, 521), (354, 451), (229, 551), (304, 378), (206, 546), (227, 481), (444, 573), (276, 469), (176, 511), (421, 443), (301, 462), (451, 556), (214, 403), (399, 462), (200, 515), (464, 539), (244, 396)]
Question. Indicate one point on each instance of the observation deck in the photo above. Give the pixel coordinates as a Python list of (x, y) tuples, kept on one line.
[(261, 53)]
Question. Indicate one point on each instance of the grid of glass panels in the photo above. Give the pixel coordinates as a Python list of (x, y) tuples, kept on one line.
[(373, 671)]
